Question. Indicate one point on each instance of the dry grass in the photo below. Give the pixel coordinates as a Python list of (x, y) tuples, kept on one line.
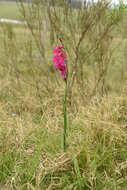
[(30, 144)]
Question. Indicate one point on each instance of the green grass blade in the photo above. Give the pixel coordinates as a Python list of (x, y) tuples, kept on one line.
[(78, 174)]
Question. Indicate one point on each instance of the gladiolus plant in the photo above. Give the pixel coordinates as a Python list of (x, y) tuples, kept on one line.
[(60, 63)]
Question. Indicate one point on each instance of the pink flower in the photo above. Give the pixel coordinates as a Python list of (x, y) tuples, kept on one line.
[(60, 60)]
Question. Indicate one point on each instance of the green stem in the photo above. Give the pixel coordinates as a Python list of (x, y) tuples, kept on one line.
[(65, 118)]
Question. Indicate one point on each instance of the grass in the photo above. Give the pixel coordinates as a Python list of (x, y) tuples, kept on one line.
[(31, 152), (10, 11), (31, 124)]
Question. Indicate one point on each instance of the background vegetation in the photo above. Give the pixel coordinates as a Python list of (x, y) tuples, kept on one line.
[(9, 10), (31, 93)]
